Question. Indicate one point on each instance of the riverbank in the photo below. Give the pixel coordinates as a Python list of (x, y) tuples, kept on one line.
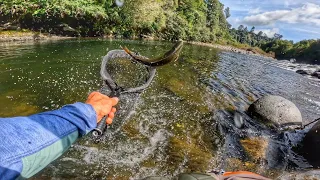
[(243, 50), (25, 35)]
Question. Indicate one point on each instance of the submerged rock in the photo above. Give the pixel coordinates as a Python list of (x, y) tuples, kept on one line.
[(311, 146), (312, 174), (275, 110), (255, 147)]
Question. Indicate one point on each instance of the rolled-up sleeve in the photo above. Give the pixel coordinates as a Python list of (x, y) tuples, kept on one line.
[(28, 144)]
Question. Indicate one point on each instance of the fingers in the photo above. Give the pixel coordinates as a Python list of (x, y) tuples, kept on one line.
[(103, 105), (111, 115), (109, 120), (114, 101)]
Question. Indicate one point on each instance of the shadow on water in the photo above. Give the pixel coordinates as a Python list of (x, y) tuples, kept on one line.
[(182, 123)]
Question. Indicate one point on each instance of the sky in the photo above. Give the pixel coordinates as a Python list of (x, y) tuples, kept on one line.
[(294, 19)]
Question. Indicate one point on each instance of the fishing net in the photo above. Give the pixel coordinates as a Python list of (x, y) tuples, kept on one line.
[(126, 79)]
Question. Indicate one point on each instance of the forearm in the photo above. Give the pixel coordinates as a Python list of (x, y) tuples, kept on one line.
[(31, 143)]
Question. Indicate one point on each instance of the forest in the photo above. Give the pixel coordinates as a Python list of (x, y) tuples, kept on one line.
[(307, 51), (189, 20)]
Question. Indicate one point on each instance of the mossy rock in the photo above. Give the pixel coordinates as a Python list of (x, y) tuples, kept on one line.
[(149, 163), (195, 156), (255, 147)]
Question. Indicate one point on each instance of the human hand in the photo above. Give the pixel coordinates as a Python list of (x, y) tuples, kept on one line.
[(103, 105)]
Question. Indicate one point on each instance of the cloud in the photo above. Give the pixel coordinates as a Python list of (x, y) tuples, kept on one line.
[(254, 11), (309, 13), (269, 32), (307, 31)]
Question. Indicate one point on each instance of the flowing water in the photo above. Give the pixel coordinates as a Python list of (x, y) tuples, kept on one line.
[(182, 123)]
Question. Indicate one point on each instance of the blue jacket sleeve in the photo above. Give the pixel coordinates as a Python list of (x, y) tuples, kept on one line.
[(28, 144)]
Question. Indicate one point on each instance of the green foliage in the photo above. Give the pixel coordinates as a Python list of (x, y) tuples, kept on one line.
[(171, 20), (48, 15), (193, 20), (304, 51)]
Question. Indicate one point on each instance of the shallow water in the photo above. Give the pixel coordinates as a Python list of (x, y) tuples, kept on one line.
[(170, 128)]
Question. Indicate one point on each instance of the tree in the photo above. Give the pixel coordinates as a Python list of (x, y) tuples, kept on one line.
[(227, 12), (252, 29), (240, 28), (260, 33), (245, 29), (277, 36)]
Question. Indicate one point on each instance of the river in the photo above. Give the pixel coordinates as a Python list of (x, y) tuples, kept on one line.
[(174, 126)]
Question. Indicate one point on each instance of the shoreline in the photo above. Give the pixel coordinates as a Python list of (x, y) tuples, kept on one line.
[(30, 36), (23, 36), (229, 48)]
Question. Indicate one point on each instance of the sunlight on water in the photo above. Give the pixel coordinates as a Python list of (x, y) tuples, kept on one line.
[(183, 122)]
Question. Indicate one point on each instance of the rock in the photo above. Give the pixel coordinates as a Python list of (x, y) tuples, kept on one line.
[(275, 110), (316, 74), (311, 146), (65, 29), (10, 26), (312, 174), (304, 72), (147, 37), (255, 147), (238, 120), (292, 60)]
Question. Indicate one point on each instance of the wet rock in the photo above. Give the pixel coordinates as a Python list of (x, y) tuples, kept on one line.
[(311, 146), (303, 72), (275, 111), (238, 120), (313, 174), (255, 147), (316, 74), (292, 60)]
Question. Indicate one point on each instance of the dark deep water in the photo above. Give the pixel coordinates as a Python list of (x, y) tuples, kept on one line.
[(168, 129)]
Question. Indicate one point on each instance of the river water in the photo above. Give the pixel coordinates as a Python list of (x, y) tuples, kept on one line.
[(179, 124)]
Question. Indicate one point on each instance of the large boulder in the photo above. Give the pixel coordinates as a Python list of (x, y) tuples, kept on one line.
[(311, 146), (275, 111)]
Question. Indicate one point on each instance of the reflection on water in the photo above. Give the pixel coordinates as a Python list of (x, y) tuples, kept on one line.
[(169, 128)]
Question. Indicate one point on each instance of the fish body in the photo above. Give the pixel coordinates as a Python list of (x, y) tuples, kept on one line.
[(168, 57)]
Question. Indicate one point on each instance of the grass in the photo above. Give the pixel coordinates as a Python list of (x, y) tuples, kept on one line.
[(21, 33)]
